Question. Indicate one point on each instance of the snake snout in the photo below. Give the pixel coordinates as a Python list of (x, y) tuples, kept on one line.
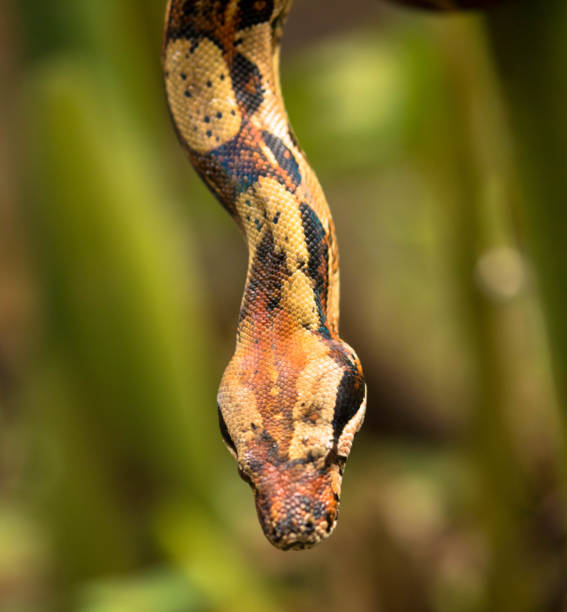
[(297, 517)]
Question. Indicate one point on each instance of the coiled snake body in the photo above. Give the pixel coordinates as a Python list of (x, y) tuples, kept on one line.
[(293, 395)]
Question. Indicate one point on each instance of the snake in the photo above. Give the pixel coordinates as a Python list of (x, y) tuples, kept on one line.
[(293, 395)]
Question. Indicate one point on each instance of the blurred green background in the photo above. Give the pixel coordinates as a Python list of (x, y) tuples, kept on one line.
[(442, 145)]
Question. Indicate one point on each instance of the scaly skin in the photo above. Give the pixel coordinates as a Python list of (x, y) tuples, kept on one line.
[(293, 395)]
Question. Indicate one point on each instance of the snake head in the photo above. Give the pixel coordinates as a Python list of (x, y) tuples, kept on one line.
[(290, 424)]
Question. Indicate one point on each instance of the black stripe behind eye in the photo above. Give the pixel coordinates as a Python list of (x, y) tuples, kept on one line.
[(224, 431), (350, 396)]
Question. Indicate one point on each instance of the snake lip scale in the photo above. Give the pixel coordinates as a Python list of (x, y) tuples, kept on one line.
[(293, 395)]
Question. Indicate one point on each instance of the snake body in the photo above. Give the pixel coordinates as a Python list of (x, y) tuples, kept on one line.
[(293, 395)]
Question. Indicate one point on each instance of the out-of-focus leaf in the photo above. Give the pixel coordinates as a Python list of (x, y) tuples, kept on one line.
[(122, 303), (160, 590), (212, 562)]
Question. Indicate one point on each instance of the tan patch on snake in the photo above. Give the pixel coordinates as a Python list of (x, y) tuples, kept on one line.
[(233, 398), (199, 87), (297, 298), (313, 413), (250, 209), (288, 230)]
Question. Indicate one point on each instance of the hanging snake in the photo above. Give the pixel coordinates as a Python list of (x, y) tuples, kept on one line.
[(293, 395)]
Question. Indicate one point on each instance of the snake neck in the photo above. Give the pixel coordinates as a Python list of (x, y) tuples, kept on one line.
[(222, 80)]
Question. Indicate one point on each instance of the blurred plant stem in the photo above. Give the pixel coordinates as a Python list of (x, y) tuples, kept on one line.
[(528, 41), (131, 344), (475, 154), (123, 413)]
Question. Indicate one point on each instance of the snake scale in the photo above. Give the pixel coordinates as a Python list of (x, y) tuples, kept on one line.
[(293, 395)]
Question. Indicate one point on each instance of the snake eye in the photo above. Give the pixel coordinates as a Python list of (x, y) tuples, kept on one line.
[(333, 457), (225, 435), (350, 398)]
